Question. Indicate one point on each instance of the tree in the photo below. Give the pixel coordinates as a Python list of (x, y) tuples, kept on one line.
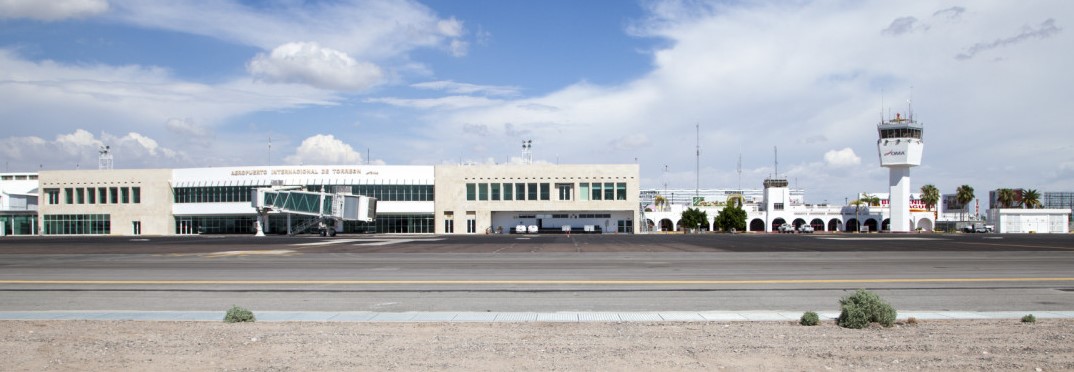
[(660, 202), (694, 218), (930, 195), (1031, 198), (1005, 197), (964, 195), (731, 217), (871, 200)]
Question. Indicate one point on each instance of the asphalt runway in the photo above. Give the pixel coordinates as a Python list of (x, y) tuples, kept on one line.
[(986, 272)]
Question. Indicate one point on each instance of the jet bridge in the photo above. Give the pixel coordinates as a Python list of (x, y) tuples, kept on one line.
[(329, 208)]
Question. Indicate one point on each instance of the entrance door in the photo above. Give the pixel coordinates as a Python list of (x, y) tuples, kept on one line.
[(186, 227), (136, 227)]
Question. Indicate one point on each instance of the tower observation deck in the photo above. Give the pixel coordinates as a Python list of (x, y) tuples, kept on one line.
[(900, 146)]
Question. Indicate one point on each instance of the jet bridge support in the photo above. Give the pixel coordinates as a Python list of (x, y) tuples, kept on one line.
[(330, 209)]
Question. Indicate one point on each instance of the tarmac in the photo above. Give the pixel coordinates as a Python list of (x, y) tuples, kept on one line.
[(505, 317)]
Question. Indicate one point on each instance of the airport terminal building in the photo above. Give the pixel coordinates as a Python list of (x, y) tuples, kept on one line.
[(444, 199)]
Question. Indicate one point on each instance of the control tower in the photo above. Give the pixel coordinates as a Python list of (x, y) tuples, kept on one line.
[(899, 148)]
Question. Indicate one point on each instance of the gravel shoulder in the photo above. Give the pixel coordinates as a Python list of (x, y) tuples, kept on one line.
[(1008, 344)]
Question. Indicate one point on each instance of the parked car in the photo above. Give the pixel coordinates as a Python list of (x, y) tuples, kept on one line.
[(786, 228), (977, 227), (805, 229)]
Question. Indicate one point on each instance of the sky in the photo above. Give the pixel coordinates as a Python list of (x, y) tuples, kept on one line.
[(214, 83)]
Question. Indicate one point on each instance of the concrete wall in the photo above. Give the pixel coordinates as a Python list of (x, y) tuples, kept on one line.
[(153, 212), (452, 203)]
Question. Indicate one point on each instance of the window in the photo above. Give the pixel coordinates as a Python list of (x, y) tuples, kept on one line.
[(80, 195), (609, 191), (508, 191), (68, 196), (545, 191), (777, 206), (53, 196), (620, 191), (102, 195), (565, 190), (495, 191), (137, 192), (520, 191), (532, 188), (471, 191), (91, 195), (126, 191), (483, 191), (113, 195), (583, 191), (596, 191)]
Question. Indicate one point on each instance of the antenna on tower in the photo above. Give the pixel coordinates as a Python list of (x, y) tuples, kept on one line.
[(881, 105), (270, 150), (740, 172), (910, 104), (527, 153), (104, 160), (697, 170), (775, 150)]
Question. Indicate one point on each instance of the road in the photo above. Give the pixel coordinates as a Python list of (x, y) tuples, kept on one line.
[(542, 273)]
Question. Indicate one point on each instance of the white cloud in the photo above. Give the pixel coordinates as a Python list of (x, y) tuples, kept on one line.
[(365, 30), (841, 158), (464, 88), (309, 63), (80, 149), (189, 129), (450, 102), (51, 10), (324, 149), (450, 27), (806, 77)]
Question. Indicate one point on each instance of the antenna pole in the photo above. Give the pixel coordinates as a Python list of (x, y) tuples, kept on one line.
[(740, 173), (697, 170), (775, 150)]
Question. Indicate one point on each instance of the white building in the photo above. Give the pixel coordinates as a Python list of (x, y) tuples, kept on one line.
[(778, 206), (18, 203), (1033, 221), (453, 199)]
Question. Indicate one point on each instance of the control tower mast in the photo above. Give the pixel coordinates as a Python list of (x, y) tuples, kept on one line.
[(899, 147)]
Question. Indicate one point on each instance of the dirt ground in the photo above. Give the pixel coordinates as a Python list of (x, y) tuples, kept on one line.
[(1047, 345)]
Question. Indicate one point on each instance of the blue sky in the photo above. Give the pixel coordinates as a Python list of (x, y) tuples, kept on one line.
[(208, 83)]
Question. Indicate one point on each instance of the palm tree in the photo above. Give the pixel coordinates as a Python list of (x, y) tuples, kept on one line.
[(964, 195), (660, 202), (1031, 198), (930, 195), (1005, 197)]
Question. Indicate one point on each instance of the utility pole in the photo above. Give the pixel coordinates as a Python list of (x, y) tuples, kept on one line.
[(697, 166)]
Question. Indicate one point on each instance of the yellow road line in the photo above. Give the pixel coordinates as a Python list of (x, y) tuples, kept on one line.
[(533, 282)]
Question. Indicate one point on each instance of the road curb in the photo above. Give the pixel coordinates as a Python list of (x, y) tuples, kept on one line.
[(505, 317)]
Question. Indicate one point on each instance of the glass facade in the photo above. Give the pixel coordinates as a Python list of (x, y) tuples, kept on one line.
[(185, 225), (18, 225), (211, 194), (395, 192), (77, 224)]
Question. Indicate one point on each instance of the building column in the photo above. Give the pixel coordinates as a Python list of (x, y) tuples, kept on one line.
[(899, 199)]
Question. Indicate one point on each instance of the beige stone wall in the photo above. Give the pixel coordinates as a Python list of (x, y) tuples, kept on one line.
[(153, 211), (451, 198)]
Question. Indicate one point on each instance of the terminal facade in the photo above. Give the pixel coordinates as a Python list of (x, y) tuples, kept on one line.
[(446, 199)]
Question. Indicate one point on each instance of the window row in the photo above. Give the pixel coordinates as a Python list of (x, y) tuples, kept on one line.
[(542, 191), (95, 195), (212, 194), (77, 224), (603, 191)]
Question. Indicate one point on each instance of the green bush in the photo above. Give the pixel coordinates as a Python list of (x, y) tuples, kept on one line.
[(864, 307), (809, 319), (1029, 319), (238, 315)]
